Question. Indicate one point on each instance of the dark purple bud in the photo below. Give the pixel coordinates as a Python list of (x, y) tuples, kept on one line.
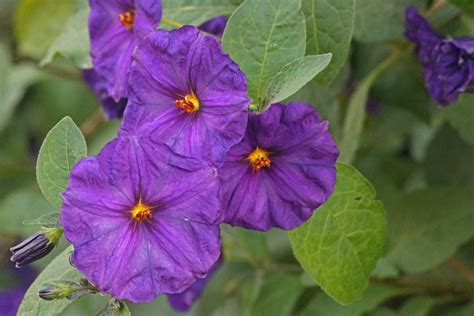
[(36, 246)]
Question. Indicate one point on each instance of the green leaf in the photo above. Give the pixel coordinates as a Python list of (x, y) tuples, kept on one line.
[(278, 296), (329, 25), (21, 206), (73, 42), (417, 306), (381, 20), (39, 22), (59, 269), (263, 36), (461, 116), (341, 243), (114, 308), (294, 76), (62, 148), (244, 245), (441, 214), (374, 296), (195, 12), (466, 5), (50, 220), (356, 112), (14, 79)]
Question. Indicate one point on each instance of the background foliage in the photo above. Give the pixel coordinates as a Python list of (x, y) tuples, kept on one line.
[(397, 236)]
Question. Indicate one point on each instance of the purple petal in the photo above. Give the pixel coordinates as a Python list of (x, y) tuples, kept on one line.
[(214, 26), (170, 65), (138, 260), (112, 43), (300, 178)]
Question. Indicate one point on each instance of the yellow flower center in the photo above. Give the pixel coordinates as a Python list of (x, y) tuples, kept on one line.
[(189, 104), (127, 19), (259, 158), (141, 212)]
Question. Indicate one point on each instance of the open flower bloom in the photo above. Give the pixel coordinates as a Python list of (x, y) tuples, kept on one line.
[(97, 84), (281, 171), (115, 28), (214, 26), (142, 219), (182, 302), (185, 91), (448, 64)]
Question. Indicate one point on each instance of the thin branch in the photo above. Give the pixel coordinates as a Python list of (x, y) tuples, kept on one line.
[(462, 268)]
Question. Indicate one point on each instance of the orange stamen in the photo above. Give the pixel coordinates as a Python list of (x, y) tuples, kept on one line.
[(189, 104), (141, 211), (127, 19), (259, 158)]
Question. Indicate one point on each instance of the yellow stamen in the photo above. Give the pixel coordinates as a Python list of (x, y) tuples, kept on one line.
[(189, 104), (141, 212), (259, 158), (127, 19)]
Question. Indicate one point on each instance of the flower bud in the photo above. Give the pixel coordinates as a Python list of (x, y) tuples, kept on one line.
[(57, 290), (36, 246)]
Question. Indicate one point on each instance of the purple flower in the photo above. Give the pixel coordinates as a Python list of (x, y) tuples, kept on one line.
[(115, 28), (448, 64), (98, 85), (11, 297), (185, 91), (214, 26), (182, 302), (142, 219), (281, 171)]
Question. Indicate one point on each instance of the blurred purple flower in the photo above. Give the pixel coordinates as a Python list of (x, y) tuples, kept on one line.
[(182, 302), (11, 297), (448, 64), (185, 91), (115, 28), (281, 171), (113, 110), (214, 26), (142, 219)]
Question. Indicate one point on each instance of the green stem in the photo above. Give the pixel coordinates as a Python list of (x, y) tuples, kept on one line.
[(171, 23)]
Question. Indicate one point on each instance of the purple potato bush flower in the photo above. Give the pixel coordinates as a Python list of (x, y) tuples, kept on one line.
[(448, 64), (182, 302), (214, 26), (185, 91), (142, 219), (113, 109), (115, 28), (282, 170)]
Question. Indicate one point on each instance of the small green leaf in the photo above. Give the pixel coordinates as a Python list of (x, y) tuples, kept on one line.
[(114, 308), (62, 148), (329, 25), (294, 76), (340, 245), (461, 116), (356, 112), (263, 36), (278, 296), (73, 42), (14, 79), (51, 220), (195, 12), (58, 269), (244, 245)]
